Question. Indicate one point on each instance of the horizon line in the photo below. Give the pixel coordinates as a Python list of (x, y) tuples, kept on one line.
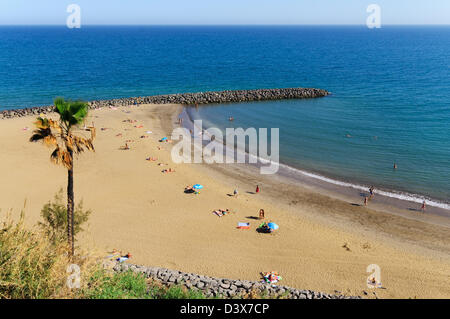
[(218, 25)]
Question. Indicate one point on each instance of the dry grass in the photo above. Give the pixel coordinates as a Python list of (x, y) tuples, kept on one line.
[(33, 266)]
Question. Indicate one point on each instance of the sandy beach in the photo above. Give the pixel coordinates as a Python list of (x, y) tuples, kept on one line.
[(324, 243)]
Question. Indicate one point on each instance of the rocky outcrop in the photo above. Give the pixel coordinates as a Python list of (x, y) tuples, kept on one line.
[(224, 288), (187, 99)]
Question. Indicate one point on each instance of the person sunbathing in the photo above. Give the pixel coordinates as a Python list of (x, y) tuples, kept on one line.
[(168, 170), (119, 135), (189, 190), (162, 164), (219, 212), (126, 147), (144, 136), (222, 212), (151, 159)]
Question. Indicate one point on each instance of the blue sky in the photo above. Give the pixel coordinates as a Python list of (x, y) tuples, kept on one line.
[(224, 11)]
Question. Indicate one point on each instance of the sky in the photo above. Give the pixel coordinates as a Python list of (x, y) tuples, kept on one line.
[(220, 12)]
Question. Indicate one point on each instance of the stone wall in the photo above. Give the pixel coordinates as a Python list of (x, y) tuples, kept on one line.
[(226, 288), (187, 99)]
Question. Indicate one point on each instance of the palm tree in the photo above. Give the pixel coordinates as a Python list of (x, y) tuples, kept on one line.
[(59, 134)]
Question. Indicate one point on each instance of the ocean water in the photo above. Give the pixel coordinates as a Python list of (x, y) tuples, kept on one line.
[(391, 88)]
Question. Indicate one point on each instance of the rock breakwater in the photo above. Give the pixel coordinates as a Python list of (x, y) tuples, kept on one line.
[(186, 99), (224, 288)]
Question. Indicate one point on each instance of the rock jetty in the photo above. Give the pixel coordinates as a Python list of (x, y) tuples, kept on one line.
[(224, 288), (186, 99)]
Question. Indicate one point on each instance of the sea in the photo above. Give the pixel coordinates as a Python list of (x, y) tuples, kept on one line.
[(390, 101)]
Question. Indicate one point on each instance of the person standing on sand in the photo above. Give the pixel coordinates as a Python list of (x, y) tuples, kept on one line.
[(366, 200), (257, 189), (423, 207), (371, 192), (235, 193), (261, 214)]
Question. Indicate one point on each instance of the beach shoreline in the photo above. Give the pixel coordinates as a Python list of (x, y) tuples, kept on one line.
[(323, 243), (403, 204)]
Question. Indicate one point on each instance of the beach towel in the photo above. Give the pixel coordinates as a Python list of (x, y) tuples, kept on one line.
[(243, 225)]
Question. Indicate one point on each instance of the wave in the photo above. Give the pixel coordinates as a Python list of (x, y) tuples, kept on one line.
[(405, 196)]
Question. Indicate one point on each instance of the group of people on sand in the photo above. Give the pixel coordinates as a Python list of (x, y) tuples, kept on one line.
[(370, 197)]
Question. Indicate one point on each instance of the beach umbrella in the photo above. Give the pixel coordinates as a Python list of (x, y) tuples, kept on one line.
[(163, 139), (273, 226), (197, 186)]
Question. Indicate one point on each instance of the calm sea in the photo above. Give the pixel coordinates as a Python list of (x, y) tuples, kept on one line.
[(390, 102)]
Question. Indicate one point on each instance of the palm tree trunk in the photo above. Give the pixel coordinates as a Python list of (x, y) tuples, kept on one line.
[(70, 208)]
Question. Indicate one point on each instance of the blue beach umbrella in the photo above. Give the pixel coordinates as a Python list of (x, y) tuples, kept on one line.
[(197, 186), (273, 226)]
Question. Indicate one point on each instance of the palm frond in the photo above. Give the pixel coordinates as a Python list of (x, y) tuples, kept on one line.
[(60, 105), (59, 133), (79, 110), (61, 156), (45, 135), (71, 112), (79, 144)]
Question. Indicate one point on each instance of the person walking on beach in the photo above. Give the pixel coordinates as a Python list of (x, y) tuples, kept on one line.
[(423, 207), (371, 192), (257, 189), (366, 200), (235, 193)]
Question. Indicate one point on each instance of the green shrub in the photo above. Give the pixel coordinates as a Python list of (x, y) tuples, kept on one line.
[(175, 292), (54, 215), (130, 285), (104, 285)]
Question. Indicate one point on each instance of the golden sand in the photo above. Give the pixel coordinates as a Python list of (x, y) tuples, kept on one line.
[(323, 244)]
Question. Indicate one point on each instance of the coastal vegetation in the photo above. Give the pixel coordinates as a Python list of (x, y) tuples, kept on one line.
[(34, 264), (60, 134), (54, 218)]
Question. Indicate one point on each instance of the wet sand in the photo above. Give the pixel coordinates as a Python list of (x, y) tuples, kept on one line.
[(323, 243)]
